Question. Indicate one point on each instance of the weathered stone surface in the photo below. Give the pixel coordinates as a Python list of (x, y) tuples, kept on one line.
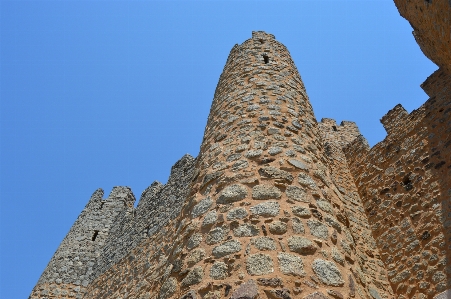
[(202, 207), (232, 193), (210, 218), (248, 290), (297, 193), (267, 209), (374, 293), (217, 234), (290, 264), (195, 256), (253, 153), (236, 213), (301, 245), (219, 270), (226, 248), (335, 294), (264, 243), (324, 205), (275, 173), (298, 164), (306, 181), (332, 222), (194, 276), (278, 228), (274, 150), (263, 192), (273, 282), (259, 264), (279, 293), (301, 212), (318, 229), (327, 272), (194, 241), (246, 230), (168, 288), (298, 226), (336, 256), (316, 295)]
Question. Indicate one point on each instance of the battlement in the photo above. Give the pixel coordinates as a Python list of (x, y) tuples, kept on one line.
[(344, 133), (262, 35), (394, 118)]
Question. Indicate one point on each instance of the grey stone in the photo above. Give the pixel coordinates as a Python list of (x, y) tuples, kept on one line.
[(274, 150), (210, 218), (217, 234), (299, 149), (194, 241), (327, 272), (232, 193), (237, 213), (219, 270), (302, 212), (290, 153), (278, 228), (233, 157), (265, 192), (290, 264), (264, 243), (195, 256), (306, 181), (301, 245), (248, 290), (193, 277), (336, 256), (259, 264), (316, 295), (324, 205), (298, 226), (202, 207), (374, 293), (298, 164), (333, 223), (318, 229), (297, 194), (253, 153), (226, 248), (246, 230), (275, 173), (267, 209)]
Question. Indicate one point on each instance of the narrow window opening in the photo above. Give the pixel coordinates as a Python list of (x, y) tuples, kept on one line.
[(94, 236), (266, 59), (261, 41), (334, 127), (101, 205)]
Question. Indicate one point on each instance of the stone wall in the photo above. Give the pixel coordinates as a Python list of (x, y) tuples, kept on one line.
[(69, 270), (404, 182)]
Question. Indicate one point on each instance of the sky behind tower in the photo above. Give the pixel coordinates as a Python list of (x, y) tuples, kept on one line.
[(96, 94)]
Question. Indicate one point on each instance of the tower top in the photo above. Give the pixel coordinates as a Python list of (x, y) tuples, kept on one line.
[(262, 35)]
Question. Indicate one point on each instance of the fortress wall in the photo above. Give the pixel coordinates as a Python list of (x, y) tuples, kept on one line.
[(158, 205), (263, 206), (68, 272), (431, 21), (404, 184), (367, 265)]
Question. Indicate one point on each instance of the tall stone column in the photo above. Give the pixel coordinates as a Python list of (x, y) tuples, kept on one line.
[(266, 216)]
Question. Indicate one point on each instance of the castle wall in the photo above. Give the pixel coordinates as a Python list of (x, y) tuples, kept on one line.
[(158, 205), (68, 272), (404, 182)]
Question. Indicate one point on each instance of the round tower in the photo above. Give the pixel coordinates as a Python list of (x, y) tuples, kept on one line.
[(266, 217)]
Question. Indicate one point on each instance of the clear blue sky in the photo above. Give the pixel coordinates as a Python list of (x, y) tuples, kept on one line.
[(99, 94)]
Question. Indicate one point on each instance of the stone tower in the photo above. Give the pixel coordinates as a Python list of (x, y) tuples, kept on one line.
[(265, 207), (277, 205)]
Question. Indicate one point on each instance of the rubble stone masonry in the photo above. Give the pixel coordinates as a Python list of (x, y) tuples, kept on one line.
[(277, 205)]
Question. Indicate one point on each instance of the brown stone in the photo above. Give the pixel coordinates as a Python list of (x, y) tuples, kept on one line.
[(248, 290)]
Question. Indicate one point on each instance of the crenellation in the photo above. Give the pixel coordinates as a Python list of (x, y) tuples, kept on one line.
[(278, 205)]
